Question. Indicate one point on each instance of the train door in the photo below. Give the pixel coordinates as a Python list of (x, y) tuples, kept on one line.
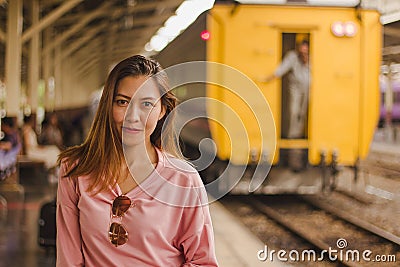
[(294, 106)]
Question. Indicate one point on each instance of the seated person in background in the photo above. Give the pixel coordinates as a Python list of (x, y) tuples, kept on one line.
[(11, 138), (46, 153), (10, 147), (51, 132)]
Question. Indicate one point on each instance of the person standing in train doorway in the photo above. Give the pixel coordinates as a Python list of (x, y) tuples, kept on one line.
[(125, 198), (296, 65)]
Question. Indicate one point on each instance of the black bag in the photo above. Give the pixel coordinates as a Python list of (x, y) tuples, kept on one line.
[(47, 224)]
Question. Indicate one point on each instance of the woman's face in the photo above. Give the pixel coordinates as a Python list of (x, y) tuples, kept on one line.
[(137, 109)]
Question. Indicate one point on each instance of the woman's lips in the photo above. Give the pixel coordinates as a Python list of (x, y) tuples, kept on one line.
[(131, 129)]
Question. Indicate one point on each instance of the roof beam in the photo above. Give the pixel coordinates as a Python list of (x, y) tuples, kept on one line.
[(49, 3), (76, 28), (151, 20), (126, 10), (90, 57), (84, 39), (49, 19), (119, 55)]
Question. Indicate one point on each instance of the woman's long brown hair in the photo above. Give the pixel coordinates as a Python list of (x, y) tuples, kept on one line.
[(101, 154)]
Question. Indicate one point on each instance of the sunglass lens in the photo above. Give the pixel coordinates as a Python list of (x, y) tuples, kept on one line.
[(117, 234), (120, 205)]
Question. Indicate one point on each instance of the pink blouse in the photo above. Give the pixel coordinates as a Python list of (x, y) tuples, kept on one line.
[(168, 225)]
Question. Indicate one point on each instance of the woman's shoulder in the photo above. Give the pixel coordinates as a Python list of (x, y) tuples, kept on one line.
[(178, 164), (66, 164)]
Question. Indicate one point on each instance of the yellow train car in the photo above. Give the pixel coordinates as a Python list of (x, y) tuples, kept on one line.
[(249, 42)]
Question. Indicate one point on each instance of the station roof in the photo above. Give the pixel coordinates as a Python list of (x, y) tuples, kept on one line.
[(125, 25), (111, 28)]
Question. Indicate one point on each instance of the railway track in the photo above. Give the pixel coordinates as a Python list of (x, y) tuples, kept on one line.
[(335, 241)]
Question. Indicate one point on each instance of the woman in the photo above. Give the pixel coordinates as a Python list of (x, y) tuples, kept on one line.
[(119, 201)]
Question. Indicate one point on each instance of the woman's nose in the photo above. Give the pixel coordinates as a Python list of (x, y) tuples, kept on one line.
[(132, 114)]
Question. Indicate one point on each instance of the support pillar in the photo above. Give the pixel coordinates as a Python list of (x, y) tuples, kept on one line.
[(13, 58), (34, 56)]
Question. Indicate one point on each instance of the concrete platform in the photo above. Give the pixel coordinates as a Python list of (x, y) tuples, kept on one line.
[(386, 140), (235, 245)]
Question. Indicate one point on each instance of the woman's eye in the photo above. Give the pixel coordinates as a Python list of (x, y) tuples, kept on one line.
[(148, 104), (122, 102)]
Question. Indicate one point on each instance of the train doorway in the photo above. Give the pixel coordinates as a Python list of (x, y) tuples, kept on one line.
[(294, 98)]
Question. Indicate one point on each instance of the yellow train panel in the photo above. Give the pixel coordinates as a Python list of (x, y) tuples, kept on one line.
[(370, 64), (239, 116), (344, 95)]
